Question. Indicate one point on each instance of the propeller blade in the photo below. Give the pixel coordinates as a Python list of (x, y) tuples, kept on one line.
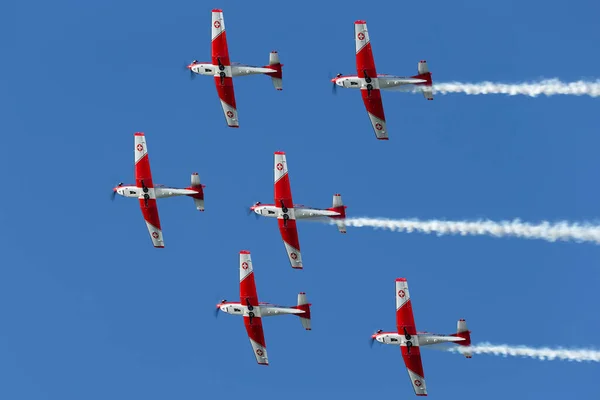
[(186, 67), (218, 308), (114, 193), (249, 212), (334, 88), (374, 335)]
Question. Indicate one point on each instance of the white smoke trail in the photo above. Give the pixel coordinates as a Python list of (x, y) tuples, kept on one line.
[(564, 231), (548, 87), (543, 353)]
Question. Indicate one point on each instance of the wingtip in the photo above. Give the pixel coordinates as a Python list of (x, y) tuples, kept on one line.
[(138, 134), (244, 252), (217, 10), (280, 153), (400, 279), (360, 21)]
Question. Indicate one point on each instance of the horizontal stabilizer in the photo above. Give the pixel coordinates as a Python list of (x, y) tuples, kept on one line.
[(424, 74), (463, 332), (198, 195), (304, 305), (339, 207), (277, 75)]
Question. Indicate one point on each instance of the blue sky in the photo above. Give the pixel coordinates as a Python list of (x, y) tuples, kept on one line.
[(90, 310)]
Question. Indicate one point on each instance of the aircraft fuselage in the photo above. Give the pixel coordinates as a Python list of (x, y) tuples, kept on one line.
[(270, 210), (230, 70)]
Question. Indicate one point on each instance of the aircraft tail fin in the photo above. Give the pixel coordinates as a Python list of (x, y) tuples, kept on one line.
[(198, 197), (304, 305), (277, 74), (426, 87), (463, 332), (339, 207)]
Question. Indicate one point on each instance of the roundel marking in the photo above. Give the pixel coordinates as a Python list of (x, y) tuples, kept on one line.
[(378, 126), (244, 265), (279, 166), (401, 293), (139, 147), (155, 235), (417, 382), (294, 256), (259, 352), (230, 114), (217, 24), (361, 36)]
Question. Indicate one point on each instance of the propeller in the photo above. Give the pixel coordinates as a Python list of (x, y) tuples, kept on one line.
[(334, 87), (114, 193), (373, 337), (249, 211), (187, 67), (218, 308)]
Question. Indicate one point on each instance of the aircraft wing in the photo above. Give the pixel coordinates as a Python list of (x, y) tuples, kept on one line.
[(365, 68), (252, 318), (143, 179), (227, 97), (287, 219), (405, 324), (223, 77)]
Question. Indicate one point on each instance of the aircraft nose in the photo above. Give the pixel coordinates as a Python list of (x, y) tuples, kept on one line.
[(333, 80)]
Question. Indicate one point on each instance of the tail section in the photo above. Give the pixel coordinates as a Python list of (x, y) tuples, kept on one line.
[(339, 207), (277, 75), (425, 75), (463, 332), (304, 305), (198, 187)]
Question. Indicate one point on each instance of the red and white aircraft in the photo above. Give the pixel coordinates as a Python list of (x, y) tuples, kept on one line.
[(224, 70), (287, 212), (147, 193), (253, 311), (410, 341), (371, 83)]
